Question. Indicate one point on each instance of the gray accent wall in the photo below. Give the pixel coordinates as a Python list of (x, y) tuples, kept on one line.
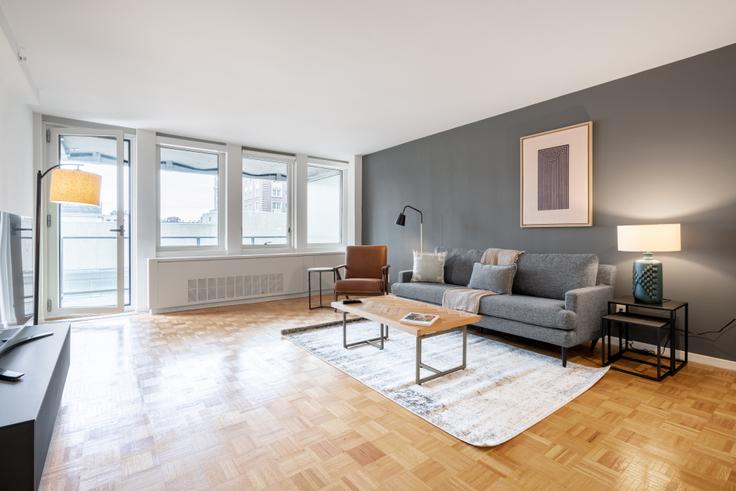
[(664, 151)]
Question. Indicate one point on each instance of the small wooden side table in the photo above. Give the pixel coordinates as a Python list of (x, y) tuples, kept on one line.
[(319, 272), (645, 316)]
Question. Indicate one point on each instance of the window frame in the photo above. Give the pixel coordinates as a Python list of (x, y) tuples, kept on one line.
[(290, 161), (203, 147), (343, 168)]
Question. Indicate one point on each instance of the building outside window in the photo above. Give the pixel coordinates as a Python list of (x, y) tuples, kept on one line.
[(189, 198), (266, 211)]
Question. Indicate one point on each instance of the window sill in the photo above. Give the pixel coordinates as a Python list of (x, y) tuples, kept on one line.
[(183, 257)]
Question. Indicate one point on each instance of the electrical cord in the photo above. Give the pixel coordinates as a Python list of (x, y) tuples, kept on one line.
[(719, 332)]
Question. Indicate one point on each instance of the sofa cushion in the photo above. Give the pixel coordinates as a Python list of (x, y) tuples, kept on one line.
[(424, 292), (545, 312), (551, 275), (459, 265)]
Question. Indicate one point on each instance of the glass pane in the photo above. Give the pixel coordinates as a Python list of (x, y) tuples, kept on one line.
[(126, 221), (265, 202), (87, 247), (188, 193), (324, 205)]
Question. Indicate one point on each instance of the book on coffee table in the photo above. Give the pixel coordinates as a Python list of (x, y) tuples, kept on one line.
[(418, 319)]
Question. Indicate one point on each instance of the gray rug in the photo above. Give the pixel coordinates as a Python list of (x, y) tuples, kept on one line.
[(503, 391)]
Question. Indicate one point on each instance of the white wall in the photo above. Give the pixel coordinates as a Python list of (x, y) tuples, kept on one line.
[(144, 214), (16, 133), (171, 279)]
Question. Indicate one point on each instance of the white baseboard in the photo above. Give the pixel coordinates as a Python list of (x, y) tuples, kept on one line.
[(694, 357), (242, 301)]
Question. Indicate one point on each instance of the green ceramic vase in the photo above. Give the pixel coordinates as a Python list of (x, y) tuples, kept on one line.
[(647, 280)]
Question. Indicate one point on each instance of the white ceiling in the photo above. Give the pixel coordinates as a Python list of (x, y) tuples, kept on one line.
[(336, 78)]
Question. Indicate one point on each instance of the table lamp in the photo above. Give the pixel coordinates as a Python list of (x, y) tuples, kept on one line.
[(647, 273), (67, 186)]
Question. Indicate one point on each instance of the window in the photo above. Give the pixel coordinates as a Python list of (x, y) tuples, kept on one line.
[(266, 217), (189, 197), (325, 204)]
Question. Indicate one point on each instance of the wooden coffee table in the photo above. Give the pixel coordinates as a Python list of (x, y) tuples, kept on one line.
[(388, 311)]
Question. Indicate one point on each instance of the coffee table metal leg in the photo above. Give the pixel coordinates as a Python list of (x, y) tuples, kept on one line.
[(465, 346), (372, 341), (345, 330), (418, 360), (438, 373)]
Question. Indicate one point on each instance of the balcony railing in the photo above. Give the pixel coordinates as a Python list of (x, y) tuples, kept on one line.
[(99, 281)]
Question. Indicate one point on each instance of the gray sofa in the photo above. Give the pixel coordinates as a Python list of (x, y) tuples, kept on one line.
[(556, 298)]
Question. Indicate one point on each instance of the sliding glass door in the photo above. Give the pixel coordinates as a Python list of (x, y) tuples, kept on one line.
[(88, 260)]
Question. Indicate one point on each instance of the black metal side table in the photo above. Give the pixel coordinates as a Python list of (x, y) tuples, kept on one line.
[(645, 316), (319, 272)]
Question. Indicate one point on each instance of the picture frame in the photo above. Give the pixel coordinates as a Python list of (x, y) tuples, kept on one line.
[(556, 177)]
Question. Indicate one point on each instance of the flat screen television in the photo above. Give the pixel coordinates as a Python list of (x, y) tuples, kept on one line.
[(16, 270)]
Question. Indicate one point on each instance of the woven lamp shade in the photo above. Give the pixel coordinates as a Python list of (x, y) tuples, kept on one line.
[(75, 187)]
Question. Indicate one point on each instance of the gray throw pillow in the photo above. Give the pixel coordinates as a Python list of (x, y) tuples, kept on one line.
[(499, 279)]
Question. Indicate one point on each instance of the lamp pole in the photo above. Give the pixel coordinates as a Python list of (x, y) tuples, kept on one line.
[(421, 225), (37, 243)]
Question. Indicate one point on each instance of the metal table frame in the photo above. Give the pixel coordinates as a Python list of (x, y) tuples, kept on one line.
[(319, 271), (372, 341), (439, 373), (670, 323), (418, 363)]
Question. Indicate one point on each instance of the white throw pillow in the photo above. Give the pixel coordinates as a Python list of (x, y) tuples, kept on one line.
[(429, 267)]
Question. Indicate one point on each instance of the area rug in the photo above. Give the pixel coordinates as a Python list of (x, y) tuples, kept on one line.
[(503, 391)]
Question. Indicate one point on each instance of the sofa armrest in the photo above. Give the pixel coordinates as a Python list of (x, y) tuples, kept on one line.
[(589, 304), (405, 276)]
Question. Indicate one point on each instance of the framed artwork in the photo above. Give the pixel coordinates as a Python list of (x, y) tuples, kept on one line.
[(557, 177)]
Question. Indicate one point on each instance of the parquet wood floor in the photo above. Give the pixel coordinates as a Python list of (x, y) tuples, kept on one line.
[(216, 399)]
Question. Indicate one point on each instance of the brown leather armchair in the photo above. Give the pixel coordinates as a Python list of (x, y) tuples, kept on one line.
[(366, 271)]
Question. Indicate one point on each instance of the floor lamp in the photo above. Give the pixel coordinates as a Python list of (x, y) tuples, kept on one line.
[(401, 220), (68, 186)]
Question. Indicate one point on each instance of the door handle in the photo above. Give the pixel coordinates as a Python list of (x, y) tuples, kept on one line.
[(120, 230)]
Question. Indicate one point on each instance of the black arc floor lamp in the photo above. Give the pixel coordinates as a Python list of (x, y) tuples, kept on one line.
[(68, 186), (401, 220)]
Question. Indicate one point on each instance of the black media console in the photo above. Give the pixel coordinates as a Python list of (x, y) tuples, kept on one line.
[(28, 408)]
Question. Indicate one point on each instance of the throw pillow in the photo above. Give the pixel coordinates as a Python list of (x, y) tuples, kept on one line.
[(499, 279), (429, 267)]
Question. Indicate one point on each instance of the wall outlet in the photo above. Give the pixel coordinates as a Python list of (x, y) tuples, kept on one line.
[(620, 308)]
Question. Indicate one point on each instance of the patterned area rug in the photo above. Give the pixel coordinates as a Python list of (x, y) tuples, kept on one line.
[(503, 391)]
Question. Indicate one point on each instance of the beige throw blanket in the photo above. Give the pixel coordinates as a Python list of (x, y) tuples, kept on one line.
[(500, 257), (468, 299)]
